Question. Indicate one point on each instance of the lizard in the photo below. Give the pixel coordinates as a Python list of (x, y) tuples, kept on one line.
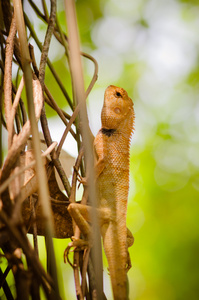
[(112, 148)]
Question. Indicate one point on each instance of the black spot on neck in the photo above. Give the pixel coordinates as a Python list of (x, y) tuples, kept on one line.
[(108, 132)]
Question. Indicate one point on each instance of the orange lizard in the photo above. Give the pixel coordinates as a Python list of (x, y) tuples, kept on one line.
[(112, 145)]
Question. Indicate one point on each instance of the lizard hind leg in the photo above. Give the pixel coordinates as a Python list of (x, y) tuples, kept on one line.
[(80, 214)]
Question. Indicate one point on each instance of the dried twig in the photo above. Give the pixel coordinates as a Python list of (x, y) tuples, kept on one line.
[(21, 139), (52, 103), (17, 143), (40, 171), (84, 269), (29, 252), (79, 95), (8, 77), (54, 73), (13, 111), (9, 180), (35, 241)]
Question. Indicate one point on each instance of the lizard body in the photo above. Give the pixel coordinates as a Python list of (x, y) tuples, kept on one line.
[(112, 146)]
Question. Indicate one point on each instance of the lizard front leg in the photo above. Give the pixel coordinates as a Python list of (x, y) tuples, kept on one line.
[(82, 216), (130, 241)]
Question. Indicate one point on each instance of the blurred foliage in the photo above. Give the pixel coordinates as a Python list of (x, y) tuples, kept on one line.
[(163, 205), (150, 47)]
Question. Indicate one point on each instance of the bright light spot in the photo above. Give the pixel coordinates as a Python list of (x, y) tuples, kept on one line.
[(114, 33), (170, 56), (110, 66), (171, 157), (193, 155), (152, 91), (170, 182), (170, 47)]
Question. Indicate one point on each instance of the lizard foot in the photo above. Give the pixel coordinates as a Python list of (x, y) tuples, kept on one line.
[(81, 179), (128, 262), (77, 245)]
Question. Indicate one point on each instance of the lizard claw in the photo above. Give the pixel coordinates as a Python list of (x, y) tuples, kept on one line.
[(66, 254), (128, 262), (77, 245), (81, 179)]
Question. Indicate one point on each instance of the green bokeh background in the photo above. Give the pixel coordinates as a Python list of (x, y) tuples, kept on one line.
[(150, 48)]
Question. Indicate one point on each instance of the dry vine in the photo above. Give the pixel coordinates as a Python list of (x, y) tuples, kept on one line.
[(30, 198)]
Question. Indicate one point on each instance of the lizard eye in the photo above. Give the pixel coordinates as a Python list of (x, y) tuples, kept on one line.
[(117, 94)]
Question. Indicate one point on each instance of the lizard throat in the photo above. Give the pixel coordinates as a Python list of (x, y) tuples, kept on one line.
[(108, 132)]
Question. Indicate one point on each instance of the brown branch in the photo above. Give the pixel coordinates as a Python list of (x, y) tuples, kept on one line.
[(33, 213), (79, 95), (63, 40), (1, 118), (29, 252), (59, 82), (76, 230), (44, 123), (51, 264), (9, 180), (95, 75), (68, 127), (50, 100), (21, 139), (75, 173), (14, 110), (54, 157), (8, 76), (40, 171), (14, 90), (84, 270), (59, 111), (45, 11), (37, 11), (76, 111), (46, 45), (17, 121)]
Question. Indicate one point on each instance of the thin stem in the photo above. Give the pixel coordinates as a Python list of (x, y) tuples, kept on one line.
[(51, 263), (40, 171), (8, 76), (68, 127), (34, 225), (4, 283), (79, 95), (95, 75), (33, 34), (50, 100), (1, 117), (29, 252), (45, 10), (32, 164), (13, 111), (54, 157), (36, 9)]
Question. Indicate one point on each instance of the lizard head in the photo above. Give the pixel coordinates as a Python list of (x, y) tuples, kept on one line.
[(117, 111)]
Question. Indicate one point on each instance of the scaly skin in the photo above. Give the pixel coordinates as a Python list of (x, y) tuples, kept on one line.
[(112, 145)]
